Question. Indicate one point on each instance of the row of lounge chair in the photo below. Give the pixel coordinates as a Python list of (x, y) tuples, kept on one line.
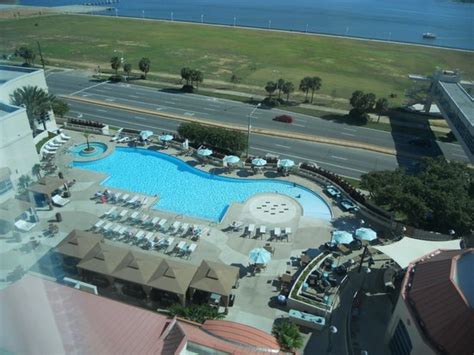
[(53, 145), (251, 230), (122, 198), (143, 238)]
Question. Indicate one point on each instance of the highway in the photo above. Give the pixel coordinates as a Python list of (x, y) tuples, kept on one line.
[(345, 161)]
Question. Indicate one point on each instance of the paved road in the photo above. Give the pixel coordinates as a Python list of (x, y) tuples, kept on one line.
[(78, 83), (341, 160)]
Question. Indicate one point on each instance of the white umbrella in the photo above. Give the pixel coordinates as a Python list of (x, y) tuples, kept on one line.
[(366, 234), (231, 159), (259, 162), (204, 152), (146, 134), (166, 138), (286, 163), (260, 256)]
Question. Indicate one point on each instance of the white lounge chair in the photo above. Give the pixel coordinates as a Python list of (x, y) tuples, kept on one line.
[(64, 136), (288, 231), (116, 229), (150, 236), (98, 224), (191, 249), (236, 225), (277, 232), (175, 227), (180, 247), (262, 230), (110, 211), (250, 229), (161, 224), (122, 230), (184, 229), (107, 227), (123, 213), (58, 200), (144, 219), (134, 216), (50, 148), (59, 141), (116, 197), (24, 225), (155, 221), (140, 234), (53, 145), (123, 140), (124, 198), (133, 200)]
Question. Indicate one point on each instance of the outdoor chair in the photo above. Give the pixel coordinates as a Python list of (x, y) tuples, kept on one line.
[(161, 224), (250, 230), (64, 136), (123, 214), (124, 198), (184, 229), (262, 231), (98, 224)]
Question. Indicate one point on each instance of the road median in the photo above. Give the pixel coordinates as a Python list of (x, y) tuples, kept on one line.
[(263, 131)]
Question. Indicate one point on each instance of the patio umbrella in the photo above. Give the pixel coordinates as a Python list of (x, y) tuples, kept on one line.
[(366, 234), (341, 237), (146, 134), (286, 163), (204, 152), (259, 162), (231, 159), (166, 137), (259, 256)]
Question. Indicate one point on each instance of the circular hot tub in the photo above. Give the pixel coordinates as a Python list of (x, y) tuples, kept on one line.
[(92, 150)]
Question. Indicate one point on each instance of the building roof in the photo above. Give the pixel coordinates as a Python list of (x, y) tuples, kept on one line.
[(444, 315), (6, 109), (43, 317), (78, 244), (172, 276), (137, 267), (47, 185), (240, 333), (104, 260), (215, 278), (462, 99), (408, 249), (12, 208), (12, 72)]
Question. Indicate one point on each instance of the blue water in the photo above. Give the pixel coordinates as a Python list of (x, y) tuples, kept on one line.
[(78, 150), (185, 190), (397, 20)]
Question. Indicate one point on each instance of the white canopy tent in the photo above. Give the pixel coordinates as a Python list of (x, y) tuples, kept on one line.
[(408, 249)]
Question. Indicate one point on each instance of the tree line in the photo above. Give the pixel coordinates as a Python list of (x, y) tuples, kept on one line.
[(362, 103), (307, 84)]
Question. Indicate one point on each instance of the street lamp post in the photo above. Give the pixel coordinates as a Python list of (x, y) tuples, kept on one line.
[(250, 126), (122, 59)]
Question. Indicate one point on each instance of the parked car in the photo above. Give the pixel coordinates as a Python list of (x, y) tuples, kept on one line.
[(347, 205), (284, 118), (332, 191)]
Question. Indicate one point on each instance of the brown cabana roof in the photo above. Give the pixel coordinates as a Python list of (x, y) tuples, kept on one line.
[(137, 267), (47, 185), (105, 259), (79, 244), (173, 277), (12, 208), (215, 278)]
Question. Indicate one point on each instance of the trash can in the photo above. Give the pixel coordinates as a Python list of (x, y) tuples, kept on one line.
[(59, 218), (60, 175)]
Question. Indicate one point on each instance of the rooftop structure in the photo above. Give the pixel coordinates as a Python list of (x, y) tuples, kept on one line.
[(69, 320), (437, 295)]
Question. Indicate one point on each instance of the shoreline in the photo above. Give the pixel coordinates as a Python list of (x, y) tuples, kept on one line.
[(276, 30)]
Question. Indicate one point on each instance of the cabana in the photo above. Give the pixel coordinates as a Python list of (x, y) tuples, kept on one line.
[(43, 191), (216, 279), (14, 210)]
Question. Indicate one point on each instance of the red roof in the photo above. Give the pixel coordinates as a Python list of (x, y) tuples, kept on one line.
[(443, 313)]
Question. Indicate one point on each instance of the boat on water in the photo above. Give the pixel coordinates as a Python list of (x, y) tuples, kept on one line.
[(429, 35)]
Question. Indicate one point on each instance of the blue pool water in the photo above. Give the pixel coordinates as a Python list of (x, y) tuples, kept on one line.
[(186, 190), (78, 150)]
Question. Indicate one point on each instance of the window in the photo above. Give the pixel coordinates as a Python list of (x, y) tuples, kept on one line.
[(5, 185), (400, 344)]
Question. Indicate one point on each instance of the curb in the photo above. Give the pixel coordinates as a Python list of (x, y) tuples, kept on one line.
[(268, 132)]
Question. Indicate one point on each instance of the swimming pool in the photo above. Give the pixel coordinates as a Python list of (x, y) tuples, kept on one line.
[(187, 190), (78, 150)]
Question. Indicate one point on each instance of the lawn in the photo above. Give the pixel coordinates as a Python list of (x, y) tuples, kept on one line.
[(256, 56)]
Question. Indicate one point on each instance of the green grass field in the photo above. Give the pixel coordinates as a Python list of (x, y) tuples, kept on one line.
[(256, 56)]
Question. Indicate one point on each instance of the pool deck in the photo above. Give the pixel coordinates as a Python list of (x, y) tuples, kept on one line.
[(253, 304)]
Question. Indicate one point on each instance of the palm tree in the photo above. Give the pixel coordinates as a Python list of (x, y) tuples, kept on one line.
[(287, 89), (59, 106), (381, 107), (127, 68), (115, 63), (280, 83), (27, 54), (196, 77), (36, 171), (315, 85), (144, 65), (35, 100), (305, 86), (195, 313), (288, 335), (270, 88), (87, 135), (23, 182)]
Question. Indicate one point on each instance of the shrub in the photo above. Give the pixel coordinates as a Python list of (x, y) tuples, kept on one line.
[(288, 335)]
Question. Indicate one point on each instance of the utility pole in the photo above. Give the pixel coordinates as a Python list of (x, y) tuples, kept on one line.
[(41, 54)]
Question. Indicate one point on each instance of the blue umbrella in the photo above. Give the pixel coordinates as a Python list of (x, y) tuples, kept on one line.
[(204, 152), (166, 138), (259, 256), (231, 159), (259, 162), (286, 163), (341, 237), (146, 134), (366, 234)]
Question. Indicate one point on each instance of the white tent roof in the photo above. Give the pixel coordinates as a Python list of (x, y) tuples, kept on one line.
[(408, 249)]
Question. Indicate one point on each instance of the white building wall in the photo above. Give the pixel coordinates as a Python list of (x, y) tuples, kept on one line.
[(17, 149), (402, 313), (17, 77)]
